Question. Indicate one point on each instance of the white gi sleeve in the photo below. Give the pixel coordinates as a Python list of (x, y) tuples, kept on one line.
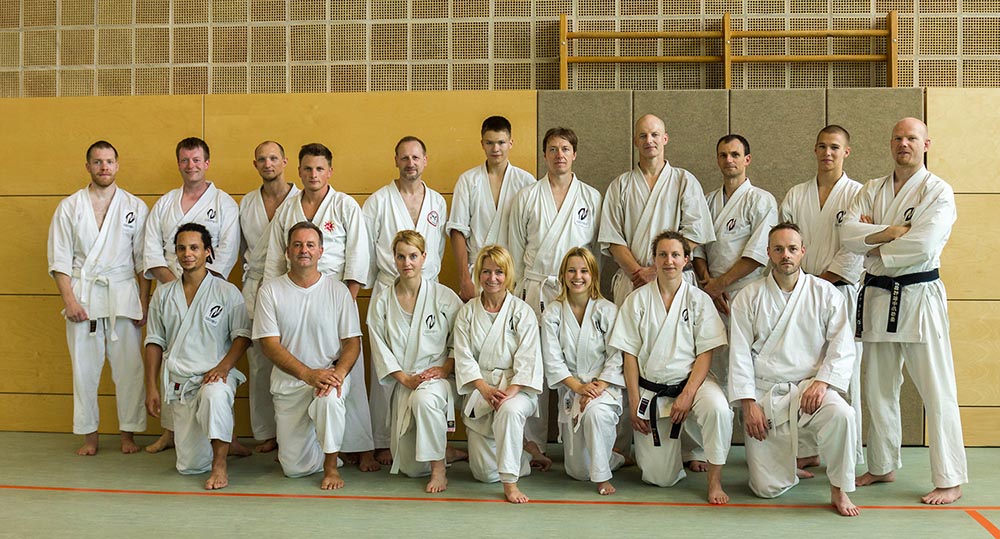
[(838, 362), (929, 229), (239, 318), (625, 336), (528, 355), (556, 369), (156, 331), (460, 218), (60, 245), (358, 258), (709, 330), (742, 378), (613, 372), (466, 366), (227, 251), (384, 361), (696, 223), (518, 236), (763, 216), (138, 239), (153, 246)]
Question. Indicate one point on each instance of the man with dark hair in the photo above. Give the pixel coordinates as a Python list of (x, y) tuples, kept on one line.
[(548, 218), (198, 329), (94, 253), (308, 325), (196, 201), (406, 203), (257, 209), (480, 206), (790, 360), (818, 207)]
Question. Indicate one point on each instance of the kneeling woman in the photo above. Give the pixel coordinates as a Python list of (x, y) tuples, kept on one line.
[(410, 326), (585, 370), (498, 368)]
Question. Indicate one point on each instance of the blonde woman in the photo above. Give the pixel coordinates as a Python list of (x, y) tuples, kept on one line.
[(585, 370), (410, 325), (498, 368)]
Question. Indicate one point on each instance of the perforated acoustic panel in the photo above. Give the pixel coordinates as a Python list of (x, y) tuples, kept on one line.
[(143, 47)]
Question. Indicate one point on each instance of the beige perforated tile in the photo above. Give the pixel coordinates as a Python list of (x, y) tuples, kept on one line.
[(512, 8), (757, 8), (307, 10), (39, 48), (190, 11), (309, 79), (11, 17), (595, 8), (429, 41), (10, 84), (980, 6), (388, 78), (39, 12), (229, 79), (641, 76), (902, 6), (718, 7), (939, 35), (10, 50), (389, 41), (808, 75), (551, 8), (73, 12), (114, 81), (795, 6), (942, 6), (190, 45), (268, 10), (855, 45), (470, 76), (713, 76), (348, 78), (268, 79), (114, 11), (229, 44), (76, 82), (190, 80), (267, 44), (348, 10), (114, 47), (512, 76), (308, 43), (546, 39), (685, 47), (430, 9), (851, 7), (40, 83), (429, 77), (979, 35), (937, 72), (905, 35), (512, 40), (596, 77), (467, 41), (152, 80), (594, 47), (765, 76), (631, 8), (348, 42), (905, 72), (756, 46), (808, 46), (681, 7), (852, 75), (152, 45), (639, 47), (230, 11), (388, 9), (685, 76), (983, 73), (156, 11), (76, 47), (546, 76)]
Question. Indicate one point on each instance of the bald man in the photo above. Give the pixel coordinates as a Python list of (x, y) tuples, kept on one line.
[(901, 223)]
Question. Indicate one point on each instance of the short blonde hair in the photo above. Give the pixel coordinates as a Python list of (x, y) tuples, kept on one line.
[(411, 238), (595, 272), (501, 257)]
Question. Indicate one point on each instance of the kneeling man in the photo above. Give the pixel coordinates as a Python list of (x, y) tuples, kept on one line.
[(198, 327), (307, 323), (791, 356)]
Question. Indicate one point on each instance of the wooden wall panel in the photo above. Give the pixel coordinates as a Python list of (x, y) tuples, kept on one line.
[(980, 426), (695, 121), (960, 120), (361, 131), (144, 129), (781, 126), (869, 114), (966, 266), (603, 123), (975, 341)]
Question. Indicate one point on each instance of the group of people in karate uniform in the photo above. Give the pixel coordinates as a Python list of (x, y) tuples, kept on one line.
[(720, 303)]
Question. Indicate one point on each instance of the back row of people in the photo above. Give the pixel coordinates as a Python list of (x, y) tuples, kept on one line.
[(92, 263)]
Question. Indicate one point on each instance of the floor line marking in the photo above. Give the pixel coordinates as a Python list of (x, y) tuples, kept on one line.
[(971, 510), (984, 522)]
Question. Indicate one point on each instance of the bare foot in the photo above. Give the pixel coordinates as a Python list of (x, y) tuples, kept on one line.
[(514, 494), (350, 458), (128, 444), (331, 480), (236, 449), (218, 479), (807, 462), (804, 474), (539, 460), (439, 481), (89, 447), (629, 461), (870, 479), (716, 496), (268, 446), (843, 504), (164, 442), (367, 463), (452, 454), (383, 456), (942, 496), (697, 465), (605, 488)]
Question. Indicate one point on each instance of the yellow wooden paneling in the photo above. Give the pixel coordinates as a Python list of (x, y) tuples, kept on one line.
[(975, 340), (362, 129), (24, 263), (981, 426), (52, 136), (967, 264), (960, 120)]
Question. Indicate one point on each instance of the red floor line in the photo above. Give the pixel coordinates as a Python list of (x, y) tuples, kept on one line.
[(984, 522), (971, 510)]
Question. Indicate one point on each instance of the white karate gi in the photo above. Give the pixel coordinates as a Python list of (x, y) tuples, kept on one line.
[(581, 350), (346, 256), (921, 341), (821, 228), (412, 343), (633, 215), (102, 263), (255, 229), (482, 220), (385, 215), (310, 323), (194, 338), (666, 344), (502, 349), (780, 344), (216, 210)]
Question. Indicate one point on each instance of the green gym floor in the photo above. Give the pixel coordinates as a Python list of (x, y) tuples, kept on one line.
[(48, 491)]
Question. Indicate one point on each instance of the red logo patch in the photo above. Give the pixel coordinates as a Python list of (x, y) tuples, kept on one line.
[(433, 218), (328, 226)]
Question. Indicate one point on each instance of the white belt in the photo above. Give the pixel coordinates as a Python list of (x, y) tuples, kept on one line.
[(545, 279), (87, 283), (477, 407), (782, 401)]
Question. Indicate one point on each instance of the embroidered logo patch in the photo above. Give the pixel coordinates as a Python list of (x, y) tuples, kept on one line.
[(328, 226), (213, 315), (211, 214), (433, 218), (130, 217), (840, 217), (430, 321), (684, 315), (908, 214), (730, 224)]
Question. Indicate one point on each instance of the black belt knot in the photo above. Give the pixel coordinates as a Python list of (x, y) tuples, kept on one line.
[(895, 287), (660, 390)]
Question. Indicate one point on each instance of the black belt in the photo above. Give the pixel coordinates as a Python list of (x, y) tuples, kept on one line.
[(841, 282), (660, 390), (895, 286)]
